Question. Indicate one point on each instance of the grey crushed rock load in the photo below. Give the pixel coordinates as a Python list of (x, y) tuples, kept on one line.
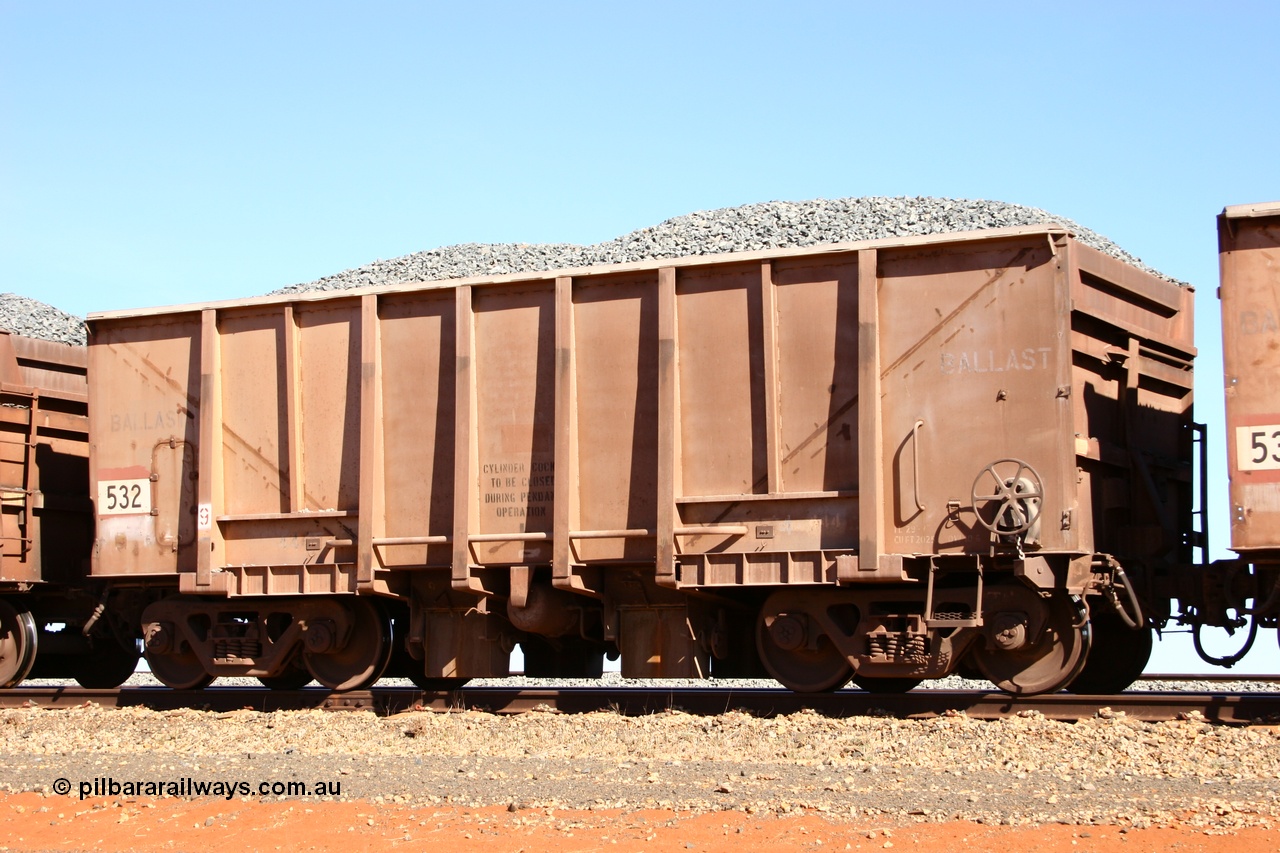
[(34, 319), (752, 227)]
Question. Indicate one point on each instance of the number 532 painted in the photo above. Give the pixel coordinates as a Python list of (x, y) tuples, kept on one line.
[(123, 497)]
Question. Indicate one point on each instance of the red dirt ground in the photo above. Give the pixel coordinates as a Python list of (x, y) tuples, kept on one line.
[(32, 821)]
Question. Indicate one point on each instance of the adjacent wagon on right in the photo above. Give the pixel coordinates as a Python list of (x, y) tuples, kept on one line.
[(1249, 258)]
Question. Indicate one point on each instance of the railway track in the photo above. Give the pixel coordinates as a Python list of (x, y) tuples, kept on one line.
[(1221, 707)]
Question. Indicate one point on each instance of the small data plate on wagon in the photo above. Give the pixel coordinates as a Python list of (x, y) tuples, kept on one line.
[(124, 497)]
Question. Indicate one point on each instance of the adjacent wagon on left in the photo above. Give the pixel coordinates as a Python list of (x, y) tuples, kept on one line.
[(54, 622)]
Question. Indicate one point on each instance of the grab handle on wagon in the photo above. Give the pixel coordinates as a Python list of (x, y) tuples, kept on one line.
[(915, 468)]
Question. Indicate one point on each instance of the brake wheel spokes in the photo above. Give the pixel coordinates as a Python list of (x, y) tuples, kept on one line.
[(1017, 496)]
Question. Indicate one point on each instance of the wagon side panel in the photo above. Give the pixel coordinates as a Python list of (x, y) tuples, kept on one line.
[(766, 454), (614, 416), (418, 389)]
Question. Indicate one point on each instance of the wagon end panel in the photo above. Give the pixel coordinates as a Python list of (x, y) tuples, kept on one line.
[(1248, 239), (144, 417), (973, 367)]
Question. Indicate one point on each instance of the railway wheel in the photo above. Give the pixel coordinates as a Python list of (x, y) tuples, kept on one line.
[(795, 650), (362, 659), (17, 644), (886, 685), (179, 670), (437, 685), (1118, 656), (107, 665), (293, 677), (968, 670), (1025, 665)]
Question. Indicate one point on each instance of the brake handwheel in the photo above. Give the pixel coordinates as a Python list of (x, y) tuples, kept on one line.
[(1018, 492)]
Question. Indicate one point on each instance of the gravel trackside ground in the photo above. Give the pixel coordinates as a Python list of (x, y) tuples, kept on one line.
[(1017, 771)]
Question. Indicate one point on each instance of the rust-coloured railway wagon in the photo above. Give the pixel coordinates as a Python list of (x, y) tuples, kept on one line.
[(883, 461), (46, 522), (1249, 257)]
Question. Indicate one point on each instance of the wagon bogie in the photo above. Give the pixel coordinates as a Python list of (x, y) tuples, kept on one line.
[(1024, 640), (342, 642)]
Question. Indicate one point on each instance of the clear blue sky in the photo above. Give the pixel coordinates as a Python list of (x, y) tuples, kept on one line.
[(155, 153)]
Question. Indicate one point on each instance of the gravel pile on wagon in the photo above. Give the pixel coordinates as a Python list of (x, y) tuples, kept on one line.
[(752, 227), (34, 319)]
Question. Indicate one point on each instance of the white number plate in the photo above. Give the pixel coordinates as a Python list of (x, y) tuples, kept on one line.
[(1258, 448), (124, 497)]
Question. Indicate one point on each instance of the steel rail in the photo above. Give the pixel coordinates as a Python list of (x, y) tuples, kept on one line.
[(1228, 708), (1211, 678)]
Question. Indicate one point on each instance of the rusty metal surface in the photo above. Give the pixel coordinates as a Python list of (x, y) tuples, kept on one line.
[(1235, 709), (56, 369), (1248, 238)]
